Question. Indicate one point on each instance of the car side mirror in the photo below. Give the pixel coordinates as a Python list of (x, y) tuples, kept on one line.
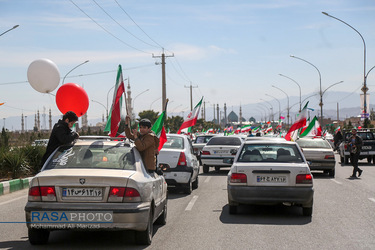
[(228, 160)]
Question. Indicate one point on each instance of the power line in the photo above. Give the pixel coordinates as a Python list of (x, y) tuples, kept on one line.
[(108, 31), (138, 25), (123, 26)]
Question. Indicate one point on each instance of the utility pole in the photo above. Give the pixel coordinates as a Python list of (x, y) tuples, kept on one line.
[(191, 94), (163, 82), (218, 116)]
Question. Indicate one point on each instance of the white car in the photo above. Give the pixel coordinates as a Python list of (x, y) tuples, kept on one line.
[(268, 172), (95, 185), (179, 163), (218, 148), (199, 142)]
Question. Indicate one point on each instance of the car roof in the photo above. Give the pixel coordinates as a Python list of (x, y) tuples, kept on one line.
[(103, 142), (269, 142), (264, 138)]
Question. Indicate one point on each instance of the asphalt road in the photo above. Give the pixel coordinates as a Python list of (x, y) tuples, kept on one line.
[(343, 218)]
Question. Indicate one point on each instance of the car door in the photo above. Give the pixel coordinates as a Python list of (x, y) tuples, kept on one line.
[(193, 157)]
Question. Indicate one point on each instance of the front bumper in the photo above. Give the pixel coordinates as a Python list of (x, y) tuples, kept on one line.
[(132, 216), (270, 195)]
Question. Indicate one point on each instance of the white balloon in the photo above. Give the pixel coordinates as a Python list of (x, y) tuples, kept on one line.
[(43, 75)]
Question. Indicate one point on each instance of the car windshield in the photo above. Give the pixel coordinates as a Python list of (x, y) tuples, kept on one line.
[(203, 139), (270, 153), (93, 156), (226, 140), (174, 142), (313, 144)]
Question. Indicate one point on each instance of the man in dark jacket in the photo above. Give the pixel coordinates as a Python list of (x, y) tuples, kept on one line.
[(355, 144), (61, 134)]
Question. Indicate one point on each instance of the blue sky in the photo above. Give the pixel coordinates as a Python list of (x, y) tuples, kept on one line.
[(233, 51)]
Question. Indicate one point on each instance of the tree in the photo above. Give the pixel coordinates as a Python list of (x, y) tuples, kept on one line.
[(4, 142), (149, 114)]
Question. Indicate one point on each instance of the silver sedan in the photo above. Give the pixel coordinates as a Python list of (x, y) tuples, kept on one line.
[(95, 185)]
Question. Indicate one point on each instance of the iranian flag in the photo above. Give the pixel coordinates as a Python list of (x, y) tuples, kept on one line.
[(299, 123), (114, 116), (158, 129), (337, 129), (245, 128), (192, 118), (314, 129), (255, 130)]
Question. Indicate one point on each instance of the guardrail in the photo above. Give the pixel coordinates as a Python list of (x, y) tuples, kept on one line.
[(7, 187)]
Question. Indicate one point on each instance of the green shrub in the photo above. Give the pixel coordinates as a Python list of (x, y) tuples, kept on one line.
[(14, 164), (34, 155)]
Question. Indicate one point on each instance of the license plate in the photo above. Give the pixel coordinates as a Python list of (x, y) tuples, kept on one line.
[(277, 179), (82, 192), (220, 151)]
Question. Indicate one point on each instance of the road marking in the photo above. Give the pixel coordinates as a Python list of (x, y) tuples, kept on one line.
[(372, 199), (191, 203), (208, 179), (15, 199), (336, 181)]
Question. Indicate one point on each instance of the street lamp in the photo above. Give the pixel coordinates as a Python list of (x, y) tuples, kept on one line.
[(287, 99), (106, 110), (300, 102), (74, 69), (154, 102), (320, 87), (265, 111), (364, 88), (271, 116), (15, 26), (136, 98), (278, 102)]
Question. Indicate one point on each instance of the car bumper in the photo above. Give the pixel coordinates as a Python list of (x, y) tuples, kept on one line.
[(322, 165), (178, 175), (270, 195), (215, 161), (124, 216)]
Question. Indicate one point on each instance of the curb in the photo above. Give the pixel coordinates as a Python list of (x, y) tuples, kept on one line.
[(7, 187)]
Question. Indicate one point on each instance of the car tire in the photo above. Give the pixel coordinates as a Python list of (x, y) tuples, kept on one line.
[(188, 188), (217, 169), (332, 173), (206, 169), (38, 236), (232, 209), (145, 237), (162, 220), (195, 183)]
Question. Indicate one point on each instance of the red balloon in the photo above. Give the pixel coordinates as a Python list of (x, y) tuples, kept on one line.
[(72, 97)]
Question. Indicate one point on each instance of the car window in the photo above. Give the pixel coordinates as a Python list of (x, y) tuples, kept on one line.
[(363, 135), (233, 141), (270, 153), (202, 139), (89, 156), (174, 142), (313, 144)]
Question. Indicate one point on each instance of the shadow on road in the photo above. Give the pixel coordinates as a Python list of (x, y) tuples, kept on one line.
[(265, 215)]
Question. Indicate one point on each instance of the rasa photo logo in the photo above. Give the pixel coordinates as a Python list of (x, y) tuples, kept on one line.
[(71, 219)]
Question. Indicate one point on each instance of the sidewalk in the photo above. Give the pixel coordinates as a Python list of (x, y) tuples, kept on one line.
[(7, 187)]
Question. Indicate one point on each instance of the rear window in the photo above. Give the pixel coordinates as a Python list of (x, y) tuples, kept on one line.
[(313, 144), (203, 139), (232, 141), (174, 142), (93, 156), (363, 135), (270, 153)]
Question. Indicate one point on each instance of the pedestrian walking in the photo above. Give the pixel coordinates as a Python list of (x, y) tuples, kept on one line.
[(145, 142), (355, 144), (61, 134)]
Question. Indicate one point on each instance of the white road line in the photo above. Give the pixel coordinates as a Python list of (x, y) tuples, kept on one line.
[(372, 199), (336, 181), (15, 199), (191, 203), (207, 179)]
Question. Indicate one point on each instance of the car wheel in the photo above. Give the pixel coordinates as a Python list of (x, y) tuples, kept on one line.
[(206, 169), (232, 209), (217, 169), (145, 237), (188, 188), (195, 183), (162, 220), (332, 173), (38, 236)]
